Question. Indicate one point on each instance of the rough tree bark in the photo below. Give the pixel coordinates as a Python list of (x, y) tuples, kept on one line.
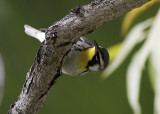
[(59, 39)]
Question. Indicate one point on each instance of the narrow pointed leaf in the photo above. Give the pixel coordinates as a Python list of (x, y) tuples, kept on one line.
[(135, 36), (132, 15), (155, 55), (155, 59), (113, 50), (137, 64)]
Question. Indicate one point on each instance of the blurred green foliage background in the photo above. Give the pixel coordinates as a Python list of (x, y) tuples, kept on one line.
[(70, 95)]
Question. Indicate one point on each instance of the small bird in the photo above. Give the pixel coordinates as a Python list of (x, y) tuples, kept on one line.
[(83, 57)]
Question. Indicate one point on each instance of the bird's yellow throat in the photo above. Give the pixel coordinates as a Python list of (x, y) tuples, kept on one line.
[(85, 57)]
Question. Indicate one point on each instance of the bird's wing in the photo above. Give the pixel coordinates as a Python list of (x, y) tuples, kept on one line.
[(82, 44), (87, 42)]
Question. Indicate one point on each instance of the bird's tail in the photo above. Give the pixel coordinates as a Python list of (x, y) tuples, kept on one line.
[(34, 33)]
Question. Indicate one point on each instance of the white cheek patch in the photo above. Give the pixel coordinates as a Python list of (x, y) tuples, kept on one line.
[(94, 68), (101, 61)]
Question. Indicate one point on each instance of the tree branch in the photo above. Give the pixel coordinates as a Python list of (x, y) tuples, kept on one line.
[(59, 39)]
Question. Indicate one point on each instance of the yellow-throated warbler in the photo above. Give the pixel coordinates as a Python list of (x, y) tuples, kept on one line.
[(83, 57)]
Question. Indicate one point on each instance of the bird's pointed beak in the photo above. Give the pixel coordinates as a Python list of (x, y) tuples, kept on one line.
[(96, 46)]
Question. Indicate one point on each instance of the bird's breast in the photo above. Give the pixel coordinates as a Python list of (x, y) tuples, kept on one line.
[(84, 57)]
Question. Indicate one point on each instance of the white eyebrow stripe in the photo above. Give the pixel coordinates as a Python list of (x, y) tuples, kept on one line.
[(101, 60)]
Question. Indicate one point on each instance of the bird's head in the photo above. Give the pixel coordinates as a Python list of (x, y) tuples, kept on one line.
[(100, 60)]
